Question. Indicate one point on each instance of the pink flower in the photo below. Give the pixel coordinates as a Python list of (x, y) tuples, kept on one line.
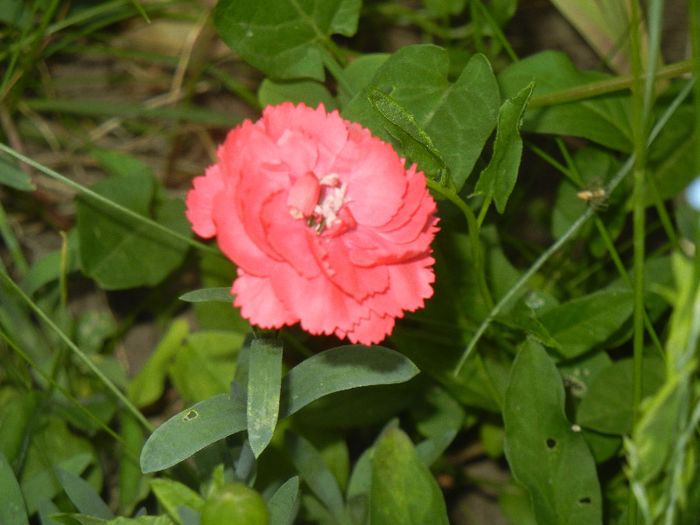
[(324, 221)]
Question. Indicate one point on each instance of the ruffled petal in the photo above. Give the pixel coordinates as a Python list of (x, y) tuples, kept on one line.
[(200, 200), (258, 302)]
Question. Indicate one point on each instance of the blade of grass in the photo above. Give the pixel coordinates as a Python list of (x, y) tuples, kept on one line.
[(77, 351), (96, 196)]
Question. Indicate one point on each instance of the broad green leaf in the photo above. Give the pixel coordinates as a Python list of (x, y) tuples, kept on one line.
[(603, 119), (546, 455), (342, 368), (172, 494), (12, 509), (284, 503), (359, 484), (458, 117), (358, 74), (403, 489), (149, 384), (497, 180), (285, 39), (43, 485), (83, 496), (208, 294), (13, 176), (580, 324), (309, 92), (120, 252), (609, 403), (312, 469), (193, 429), (264, 382)]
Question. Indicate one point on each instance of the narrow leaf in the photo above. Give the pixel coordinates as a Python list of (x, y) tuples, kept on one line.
[(12, 510), (193, 429), (208, 294), (547, 455), (264, 380), (497, 180), (403, 488), (12, 175), (342, 368), (83, 496), (284, 503)]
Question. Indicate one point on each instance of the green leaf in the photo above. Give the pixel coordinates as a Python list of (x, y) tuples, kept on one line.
[(580, 324), (132, 484), (120, 252), (609, 404), (13, 176), (497, 180), (603, 119), (83, 496), (309, 92), (285, 39), (545, 453), (149, 384), (316, 474), (284, 502), (172, 494), (118, 164), (458, 117), (342, 368), (193, 429), (43, 485), (358, 74), (12, 509), (220, 294), (264, 381), (403, 489)]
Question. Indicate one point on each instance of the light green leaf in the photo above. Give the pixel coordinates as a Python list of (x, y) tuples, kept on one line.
[(12, 509), (609, 403), (545, 453), (458, 117), (497, 180), (149, 384), (603, 119), (220, 294), (284, 502), (83, 496), (403, 489), (13, 176), (284, 38), (120, 252), (193, 429), (43, 485), (342, 368), (264, 380), (172, 494)]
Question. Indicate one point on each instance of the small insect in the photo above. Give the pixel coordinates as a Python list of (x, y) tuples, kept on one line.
[(595, 195)]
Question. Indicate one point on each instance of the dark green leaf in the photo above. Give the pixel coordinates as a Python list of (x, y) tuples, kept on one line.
[(342, 368), (498, 178), (193, 429), (547, 455), (12, 511), (284, 38), (309, 92), (403, 489), (603, 119), (458, 117), (264, 380), (120, 252), (609, 403), (83, 496)]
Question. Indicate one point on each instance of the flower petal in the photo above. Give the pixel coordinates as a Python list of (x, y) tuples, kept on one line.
[(200, 200)]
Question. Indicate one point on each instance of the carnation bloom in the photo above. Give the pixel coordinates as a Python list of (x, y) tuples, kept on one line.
[(326, 225)]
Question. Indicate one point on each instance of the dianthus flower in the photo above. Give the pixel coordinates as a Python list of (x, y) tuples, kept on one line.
[(326, 225)]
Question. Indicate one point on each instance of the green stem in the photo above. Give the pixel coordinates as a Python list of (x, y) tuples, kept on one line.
[(473, 228), (104, 200), (78, 352), (603, 87)]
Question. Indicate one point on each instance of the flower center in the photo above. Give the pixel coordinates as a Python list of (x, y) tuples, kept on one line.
[(321, 203)]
